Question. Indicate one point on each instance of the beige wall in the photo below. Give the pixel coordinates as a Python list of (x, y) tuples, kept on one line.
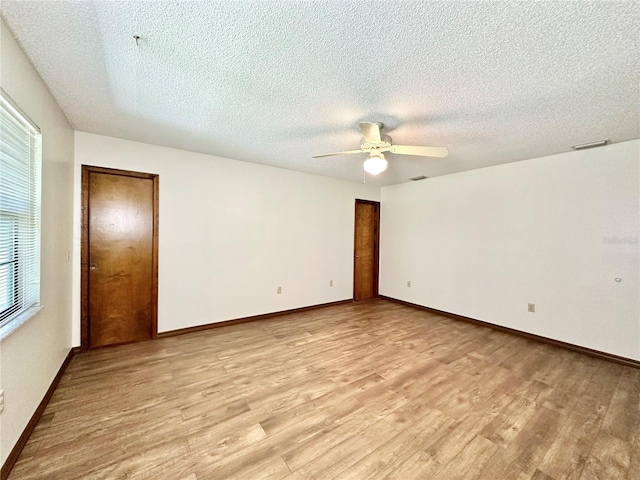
[(31, 356), (554, 231), (231, 232)]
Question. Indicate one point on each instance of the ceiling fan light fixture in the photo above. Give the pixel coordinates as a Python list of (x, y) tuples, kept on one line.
[(375, 164)]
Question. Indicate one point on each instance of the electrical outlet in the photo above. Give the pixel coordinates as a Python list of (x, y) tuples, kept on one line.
[(408, 283), (279, 290), (331, 283), (1, 400), (531, 307)]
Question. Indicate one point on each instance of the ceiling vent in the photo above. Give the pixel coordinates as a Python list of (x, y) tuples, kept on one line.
[(421, 177), (582, 146)]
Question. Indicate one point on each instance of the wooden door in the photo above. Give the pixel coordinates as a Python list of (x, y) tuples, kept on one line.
[(365, 267), (119, 256)]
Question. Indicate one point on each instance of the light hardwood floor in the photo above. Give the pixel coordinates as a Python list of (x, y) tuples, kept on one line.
[(369, 390)]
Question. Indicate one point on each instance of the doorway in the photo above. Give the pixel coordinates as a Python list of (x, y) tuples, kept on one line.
[(366, 250), (119, 257)]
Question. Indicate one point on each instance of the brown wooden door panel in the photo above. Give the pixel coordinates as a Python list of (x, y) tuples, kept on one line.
[(365, 281), (121, 261)]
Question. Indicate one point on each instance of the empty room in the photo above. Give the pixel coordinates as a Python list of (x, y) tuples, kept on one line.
[(339, 239)]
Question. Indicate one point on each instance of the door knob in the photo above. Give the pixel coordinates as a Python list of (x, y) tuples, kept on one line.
[(93, 266)]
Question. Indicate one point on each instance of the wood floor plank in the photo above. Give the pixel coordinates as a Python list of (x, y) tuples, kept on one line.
[(538, 475), (634, 467), (416, 424), (420, 465), (370, 390), (623, 415), (280, 420), (317, 446), (520, 459), (609, 458), (567, 457), (470, 462), (329, 464), (215, 447), (269, 467), (503, 429)]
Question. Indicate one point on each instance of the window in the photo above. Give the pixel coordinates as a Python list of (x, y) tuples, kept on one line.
[(20, 160)]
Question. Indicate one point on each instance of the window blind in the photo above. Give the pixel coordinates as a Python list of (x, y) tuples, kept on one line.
[(20, 160)]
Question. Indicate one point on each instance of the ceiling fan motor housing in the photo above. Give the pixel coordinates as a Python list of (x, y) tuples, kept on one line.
[(375, 143), (385, 143)]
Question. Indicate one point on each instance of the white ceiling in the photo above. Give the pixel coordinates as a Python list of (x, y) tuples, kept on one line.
[(275, 82)]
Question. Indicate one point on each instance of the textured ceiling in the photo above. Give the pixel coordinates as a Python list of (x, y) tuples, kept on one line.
[(275, 82)]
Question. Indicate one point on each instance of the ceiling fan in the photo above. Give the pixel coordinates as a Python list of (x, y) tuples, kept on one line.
[(375, 144)]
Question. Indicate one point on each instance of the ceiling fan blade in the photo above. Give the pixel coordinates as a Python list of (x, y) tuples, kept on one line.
[(348, 152), (421, 151), (371, 131)]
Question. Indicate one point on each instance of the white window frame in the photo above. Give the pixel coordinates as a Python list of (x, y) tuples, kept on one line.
[(25, 238)]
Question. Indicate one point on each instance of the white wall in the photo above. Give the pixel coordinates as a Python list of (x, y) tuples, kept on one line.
[(554, 231), (231, 232), (31, 355)]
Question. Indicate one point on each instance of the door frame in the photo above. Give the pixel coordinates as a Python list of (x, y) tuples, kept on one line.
[(84, 249), (376, 249)]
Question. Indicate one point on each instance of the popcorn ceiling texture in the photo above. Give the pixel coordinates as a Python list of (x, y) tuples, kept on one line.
[(275, 82)]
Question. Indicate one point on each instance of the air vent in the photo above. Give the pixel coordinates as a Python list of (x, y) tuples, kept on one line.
[(583, 146), (421, 177)]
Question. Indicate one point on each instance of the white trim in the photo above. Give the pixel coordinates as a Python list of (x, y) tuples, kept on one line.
[(17, 112), (17, 322)]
